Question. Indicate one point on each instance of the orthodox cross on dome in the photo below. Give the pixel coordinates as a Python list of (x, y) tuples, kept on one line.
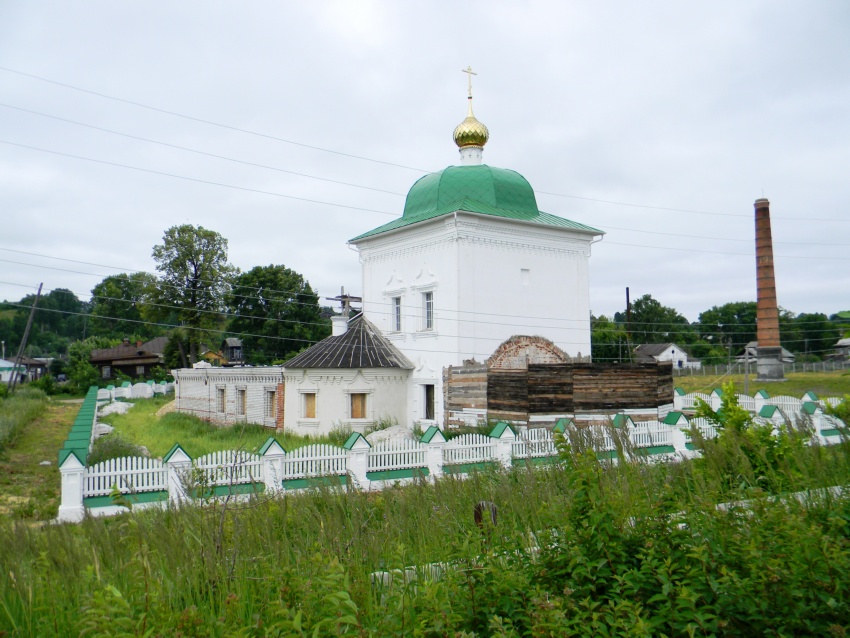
[(469, 73)]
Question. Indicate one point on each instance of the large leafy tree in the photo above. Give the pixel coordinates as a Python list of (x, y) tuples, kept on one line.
[(816, 335), (652, 322), (731, 326), (608, 341), (276, 312), (118, 304), (195, 280)]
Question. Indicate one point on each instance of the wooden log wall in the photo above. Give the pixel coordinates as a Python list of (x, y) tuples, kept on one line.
[(507, 395), (464, 387), (609, 387), (550, 388)]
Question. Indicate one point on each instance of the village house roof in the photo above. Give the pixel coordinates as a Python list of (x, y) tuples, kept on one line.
[(361, 346), (151, 350), (751, 350), (647, 352)]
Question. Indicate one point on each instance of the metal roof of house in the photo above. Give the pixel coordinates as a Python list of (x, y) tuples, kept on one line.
[(361, 346), (131, 352)]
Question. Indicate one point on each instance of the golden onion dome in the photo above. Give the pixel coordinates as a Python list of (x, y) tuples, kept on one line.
[(471, 132)]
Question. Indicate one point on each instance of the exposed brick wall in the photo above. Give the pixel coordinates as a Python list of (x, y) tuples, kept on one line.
[(519, 351), (280, 397)]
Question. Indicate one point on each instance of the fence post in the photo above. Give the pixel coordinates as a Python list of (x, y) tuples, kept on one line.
[(71, 509), (179, 464), (434, 441), (504, 436), (272, 453), (358, 448), (679, 441)]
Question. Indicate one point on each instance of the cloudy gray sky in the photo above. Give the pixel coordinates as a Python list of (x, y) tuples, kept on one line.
[(658, 122)]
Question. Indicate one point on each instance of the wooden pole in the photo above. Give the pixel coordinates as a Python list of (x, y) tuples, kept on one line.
[(14, 378)]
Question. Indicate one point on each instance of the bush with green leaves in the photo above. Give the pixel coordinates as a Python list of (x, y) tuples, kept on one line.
[(112, 446)]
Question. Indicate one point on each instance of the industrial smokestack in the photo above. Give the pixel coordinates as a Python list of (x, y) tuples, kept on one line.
[(769, 349)]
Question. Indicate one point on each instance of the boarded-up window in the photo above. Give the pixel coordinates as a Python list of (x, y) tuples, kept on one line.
[(241, 402), (271, 404), (309, 405), (219, 400), (358, 406)]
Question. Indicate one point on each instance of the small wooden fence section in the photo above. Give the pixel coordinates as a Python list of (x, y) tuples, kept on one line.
[(394, 456), (130, 475), (469, 449), (652, 434), (229, 467), (313, 462), (534, 443)]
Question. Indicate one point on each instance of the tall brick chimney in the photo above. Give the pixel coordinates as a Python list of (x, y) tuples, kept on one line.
[(769, 349)]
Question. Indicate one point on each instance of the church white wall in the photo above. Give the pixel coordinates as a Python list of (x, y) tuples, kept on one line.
[(474, 265), (386, 390)]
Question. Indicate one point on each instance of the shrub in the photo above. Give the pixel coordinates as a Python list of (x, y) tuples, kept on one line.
[(112, 446)]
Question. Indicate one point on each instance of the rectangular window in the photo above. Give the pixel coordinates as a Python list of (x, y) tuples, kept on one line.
[(358, 406), (427, 310), (309, 405), (429, 402), (140, 371), (220, 400), (106, 372), (396, 314), (525, 276), (241, 401), (271, 404)]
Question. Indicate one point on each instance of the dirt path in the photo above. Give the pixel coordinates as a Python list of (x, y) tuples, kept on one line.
[(29, 490)]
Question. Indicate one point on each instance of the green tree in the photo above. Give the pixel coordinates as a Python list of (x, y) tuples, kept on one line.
[(730, 326), (651, 322), (817, 335), (81, 373), (608, 340), (118, 304), (278, 313), (195, 280)]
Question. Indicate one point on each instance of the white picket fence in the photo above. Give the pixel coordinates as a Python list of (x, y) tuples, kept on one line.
[(397, 455), (789, 405), (534, 443), (129, 474), (469, 448), (747, 402), (314, 460), (230, 467), (706, 428), (689, 401), (650, 434)]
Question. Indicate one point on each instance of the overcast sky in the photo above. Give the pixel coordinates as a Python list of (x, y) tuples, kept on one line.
[(658, 122)]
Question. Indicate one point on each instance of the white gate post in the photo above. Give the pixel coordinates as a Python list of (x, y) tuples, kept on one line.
[(179, 464), (505, 436), (272, 453), (357, 448), (71, 509), (434, 441)]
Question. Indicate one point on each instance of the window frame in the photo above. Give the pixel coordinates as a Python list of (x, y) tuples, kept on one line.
[(241, 401), (427, 310), (221, 399), (396, 314)]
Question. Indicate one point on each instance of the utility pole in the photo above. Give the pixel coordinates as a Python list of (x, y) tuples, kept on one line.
[(14, 378), (345, 300), (628, 325)]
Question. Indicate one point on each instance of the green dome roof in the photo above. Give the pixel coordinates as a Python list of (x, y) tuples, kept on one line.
[(496, 188)]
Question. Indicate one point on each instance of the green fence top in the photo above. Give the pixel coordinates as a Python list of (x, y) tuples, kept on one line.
[(561, 424), (80, 455), (679, 391), (673, 418), (174, 449), (268, 445), (430, 433), (768, 411), (763, 394), (500, 429), (809, 407), (352, 440)]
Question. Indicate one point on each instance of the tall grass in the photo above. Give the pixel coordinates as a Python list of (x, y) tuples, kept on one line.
[(141, 426), (580, 548), (17, 411)]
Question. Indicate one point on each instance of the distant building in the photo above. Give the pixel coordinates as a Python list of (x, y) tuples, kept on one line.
[(842, 349), (134, 360), (231, 349), (656, 352), (751, 351)]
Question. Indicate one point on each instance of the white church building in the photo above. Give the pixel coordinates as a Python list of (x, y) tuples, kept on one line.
[(471, 262)]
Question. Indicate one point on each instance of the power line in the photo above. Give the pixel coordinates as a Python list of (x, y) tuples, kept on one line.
[(194, 179), (192, 150), (360, 157), (210, 122)]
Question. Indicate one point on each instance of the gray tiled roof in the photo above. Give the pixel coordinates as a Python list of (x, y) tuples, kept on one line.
[(362, 346)]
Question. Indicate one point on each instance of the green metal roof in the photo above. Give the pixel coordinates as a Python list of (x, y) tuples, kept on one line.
[(481, 189)]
